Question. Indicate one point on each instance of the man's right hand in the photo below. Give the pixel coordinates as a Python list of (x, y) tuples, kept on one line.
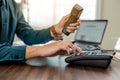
[(52, 49)]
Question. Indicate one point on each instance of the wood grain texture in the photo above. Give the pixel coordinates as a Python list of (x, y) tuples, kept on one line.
[(58, 71)]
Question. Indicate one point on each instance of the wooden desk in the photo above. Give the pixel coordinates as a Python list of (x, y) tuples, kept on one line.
[(57, 69)]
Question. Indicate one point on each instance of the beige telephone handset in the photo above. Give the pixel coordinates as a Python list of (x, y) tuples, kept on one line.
[(117, 45), (74, 15)]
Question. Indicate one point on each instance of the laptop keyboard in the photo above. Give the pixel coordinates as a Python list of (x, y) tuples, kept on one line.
[(87, 47)]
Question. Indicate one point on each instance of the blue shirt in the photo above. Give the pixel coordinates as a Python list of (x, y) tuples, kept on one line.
[(12, 22)]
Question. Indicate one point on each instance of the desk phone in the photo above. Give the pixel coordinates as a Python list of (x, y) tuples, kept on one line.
[(95, 58)]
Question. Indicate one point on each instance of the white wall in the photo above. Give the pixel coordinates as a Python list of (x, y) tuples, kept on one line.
[(110, 9)]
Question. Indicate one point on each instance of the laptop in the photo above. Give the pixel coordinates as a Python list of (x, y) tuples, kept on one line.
[(90, 34)]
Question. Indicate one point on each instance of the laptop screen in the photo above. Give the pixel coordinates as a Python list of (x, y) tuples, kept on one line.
[(91, 31)]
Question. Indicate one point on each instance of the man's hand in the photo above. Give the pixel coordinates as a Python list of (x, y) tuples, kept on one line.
[(70, 29), (52, 49)]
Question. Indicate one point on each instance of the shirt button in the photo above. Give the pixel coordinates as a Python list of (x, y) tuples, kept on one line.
[(16, 56)]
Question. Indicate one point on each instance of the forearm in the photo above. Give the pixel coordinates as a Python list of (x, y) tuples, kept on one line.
[(47, 50), (40, 51), (30, 36), (31, 52)]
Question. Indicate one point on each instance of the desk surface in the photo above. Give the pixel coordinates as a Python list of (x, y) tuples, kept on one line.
[(57, 69)]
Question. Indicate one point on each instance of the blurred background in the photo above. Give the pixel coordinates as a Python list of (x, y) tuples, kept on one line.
[(44, 13)]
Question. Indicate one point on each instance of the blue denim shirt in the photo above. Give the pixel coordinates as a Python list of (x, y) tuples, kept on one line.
[(12, 22)]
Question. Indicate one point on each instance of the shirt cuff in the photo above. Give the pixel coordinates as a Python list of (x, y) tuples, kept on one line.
[(49, 35), (18, 53)]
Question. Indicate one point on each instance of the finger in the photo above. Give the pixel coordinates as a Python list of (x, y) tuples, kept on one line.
[(70, 31), (66, 17), (78, 21), (73, 48), (68, 50), (74, 24), (72, 27), (79, 50)]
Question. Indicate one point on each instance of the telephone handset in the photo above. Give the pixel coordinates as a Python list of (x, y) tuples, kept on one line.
[(74, 15)]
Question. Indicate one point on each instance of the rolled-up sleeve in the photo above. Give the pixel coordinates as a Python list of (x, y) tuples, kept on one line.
[(28, 34), (12, 53)]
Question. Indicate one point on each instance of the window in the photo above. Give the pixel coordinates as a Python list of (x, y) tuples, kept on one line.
[(43, 13)]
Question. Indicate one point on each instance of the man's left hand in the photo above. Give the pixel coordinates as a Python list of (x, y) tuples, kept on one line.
[(70, 29)]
